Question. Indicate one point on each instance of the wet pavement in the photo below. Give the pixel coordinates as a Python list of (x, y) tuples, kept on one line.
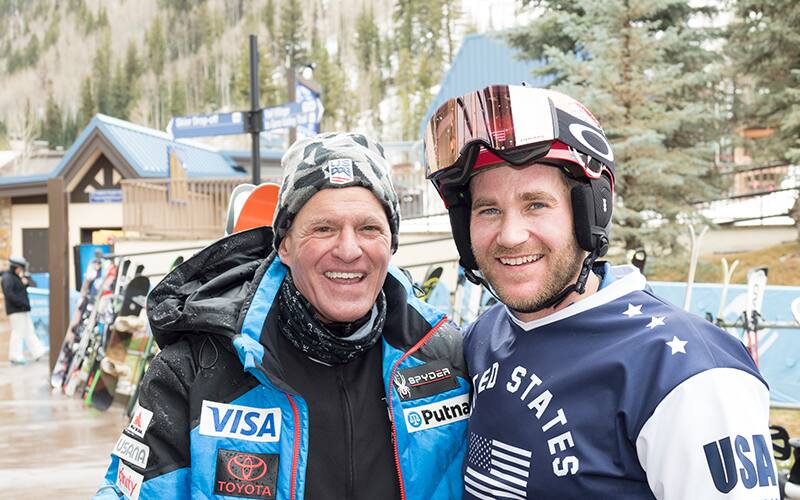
[(51, 446)]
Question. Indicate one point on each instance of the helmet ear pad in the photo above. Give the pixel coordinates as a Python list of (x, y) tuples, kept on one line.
[(459, 222), (592, 205)]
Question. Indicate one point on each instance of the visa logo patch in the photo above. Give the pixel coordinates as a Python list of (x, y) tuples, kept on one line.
[(262, 425), (420, 418)]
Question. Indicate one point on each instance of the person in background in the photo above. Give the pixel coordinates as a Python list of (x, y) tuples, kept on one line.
[(18, 308), (300, 366)]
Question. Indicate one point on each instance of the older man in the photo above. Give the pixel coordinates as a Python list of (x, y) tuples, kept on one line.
[(309, 373)]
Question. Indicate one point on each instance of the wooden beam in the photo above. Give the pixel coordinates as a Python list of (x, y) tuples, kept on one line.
[(58, 263)]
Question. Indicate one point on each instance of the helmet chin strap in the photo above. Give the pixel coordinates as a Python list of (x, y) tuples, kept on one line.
[(579, 286)]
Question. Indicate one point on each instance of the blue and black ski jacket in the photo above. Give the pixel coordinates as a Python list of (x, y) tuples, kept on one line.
[(218, 417)]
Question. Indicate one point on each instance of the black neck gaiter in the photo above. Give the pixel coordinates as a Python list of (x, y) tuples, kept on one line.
[(301, 326)]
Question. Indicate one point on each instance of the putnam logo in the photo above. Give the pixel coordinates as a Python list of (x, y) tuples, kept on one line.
[(746, 459), (262, 425), (129, 481), (420, 418), (131, 450)]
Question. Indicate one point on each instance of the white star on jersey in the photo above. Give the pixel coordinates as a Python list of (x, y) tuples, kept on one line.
[(677, 345), (656, 321), (633, 311)]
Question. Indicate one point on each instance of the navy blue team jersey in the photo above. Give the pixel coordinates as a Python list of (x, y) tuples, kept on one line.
[(618, 396)]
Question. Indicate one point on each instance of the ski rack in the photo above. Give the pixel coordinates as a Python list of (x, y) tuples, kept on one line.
[(760, 325)]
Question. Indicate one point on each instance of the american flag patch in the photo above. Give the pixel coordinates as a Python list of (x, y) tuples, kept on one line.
[(496, 470), (499, 135), (340, 171)]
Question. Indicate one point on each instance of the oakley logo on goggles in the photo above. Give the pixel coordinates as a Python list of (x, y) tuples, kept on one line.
[(518, 124)]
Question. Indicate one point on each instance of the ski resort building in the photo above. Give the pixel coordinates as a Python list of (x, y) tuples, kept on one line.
[(119, 178)]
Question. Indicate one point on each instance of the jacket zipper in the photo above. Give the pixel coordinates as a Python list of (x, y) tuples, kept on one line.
[(391, 410), (350, 483), (296, 452)]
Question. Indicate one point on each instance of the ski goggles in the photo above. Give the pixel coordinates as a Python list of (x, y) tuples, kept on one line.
[(517, 124)]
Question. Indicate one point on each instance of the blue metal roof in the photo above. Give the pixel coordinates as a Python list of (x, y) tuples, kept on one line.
[(483, 60), (145, 149), (266, 154)]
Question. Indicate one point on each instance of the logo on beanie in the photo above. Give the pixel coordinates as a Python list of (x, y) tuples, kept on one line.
[(340, 171)]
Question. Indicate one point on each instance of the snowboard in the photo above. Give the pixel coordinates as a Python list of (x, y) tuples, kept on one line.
[(258, 209), (432, 278), (141, 351), (100, 392)]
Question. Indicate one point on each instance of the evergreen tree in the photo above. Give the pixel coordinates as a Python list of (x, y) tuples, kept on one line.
[(641, 68), (51, 129), (156, 47), (156, 57), (272, 92), (420, 32), (292, 32), (368, 57), (132, 70), (269, 91), (204, 27), (177, 97), (87, 108), (121, 97), (32, 51), (102, 74), (70, 130), (765, 47), (211, 98), (268, 16)]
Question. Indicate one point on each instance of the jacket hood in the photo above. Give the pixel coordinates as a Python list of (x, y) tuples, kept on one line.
[(206, 292)]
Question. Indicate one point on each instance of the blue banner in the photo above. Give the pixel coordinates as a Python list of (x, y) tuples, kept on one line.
[(779, 349), (40, 311)]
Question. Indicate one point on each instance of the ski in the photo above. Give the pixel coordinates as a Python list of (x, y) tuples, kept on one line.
[(76, 376), (727, 274), (91, 284), (756, 285), (694, 251), (796, 310)]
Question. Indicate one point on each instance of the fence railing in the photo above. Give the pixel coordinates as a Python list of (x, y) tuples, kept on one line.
[(181, 209), (196, 209), (418, 197)]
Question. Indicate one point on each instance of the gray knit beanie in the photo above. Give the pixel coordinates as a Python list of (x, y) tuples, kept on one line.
[(333, 160)]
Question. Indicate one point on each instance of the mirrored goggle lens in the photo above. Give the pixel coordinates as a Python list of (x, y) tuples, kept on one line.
[(487, 116)]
